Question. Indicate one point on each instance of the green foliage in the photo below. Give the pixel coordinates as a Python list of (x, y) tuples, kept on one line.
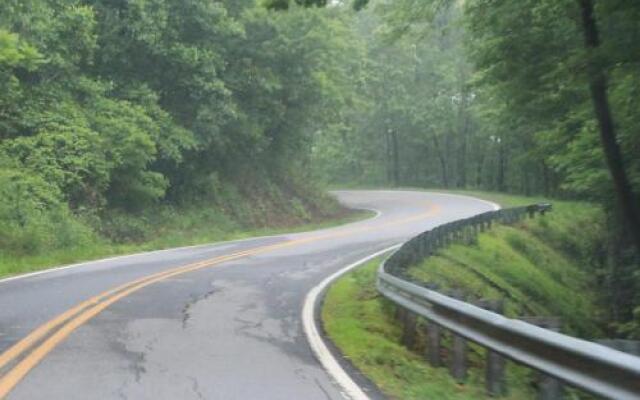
[(549, 266), (33, 217), (116, 117), (51, 235), (14, 52), (543, 267), (495, 95), (362, 324)]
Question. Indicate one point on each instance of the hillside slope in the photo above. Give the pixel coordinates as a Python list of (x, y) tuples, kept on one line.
[(545, 266)]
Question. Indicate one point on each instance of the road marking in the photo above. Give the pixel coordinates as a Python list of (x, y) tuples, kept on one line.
[(44, 329), (83, 312), (196, 246), (320, 349)]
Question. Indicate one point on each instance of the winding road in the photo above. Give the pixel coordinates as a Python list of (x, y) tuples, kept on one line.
[(219, 321)]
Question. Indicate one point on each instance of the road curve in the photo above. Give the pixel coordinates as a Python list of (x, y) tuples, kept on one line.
[(220, 321)]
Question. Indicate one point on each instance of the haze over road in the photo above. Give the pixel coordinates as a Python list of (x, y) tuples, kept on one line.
[(219, 321)]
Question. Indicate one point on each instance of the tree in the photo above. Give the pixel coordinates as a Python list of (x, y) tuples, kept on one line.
[(599, 94)]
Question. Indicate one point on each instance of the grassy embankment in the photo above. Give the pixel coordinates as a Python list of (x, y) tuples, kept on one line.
[(541, 267), (232, 217)]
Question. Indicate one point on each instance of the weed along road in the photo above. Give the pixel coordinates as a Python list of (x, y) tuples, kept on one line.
[(220, 321)]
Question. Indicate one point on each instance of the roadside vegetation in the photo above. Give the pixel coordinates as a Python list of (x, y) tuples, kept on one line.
[(128, 125), (547, 266), (166, 227), (363, 326)]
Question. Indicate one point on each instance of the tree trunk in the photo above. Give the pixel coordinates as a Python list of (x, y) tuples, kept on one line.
[(396, 157), (388, 156), (479, 170), (502, 166), (462, 155), (599, 96), (443, 161)]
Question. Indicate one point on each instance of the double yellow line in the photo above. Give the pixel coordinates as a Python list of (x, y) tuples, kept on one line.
[(48, 337)]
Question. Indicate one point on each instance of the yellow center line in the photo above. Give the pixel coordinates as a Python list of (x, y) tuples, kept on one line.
[(42, 330), (83, 312)]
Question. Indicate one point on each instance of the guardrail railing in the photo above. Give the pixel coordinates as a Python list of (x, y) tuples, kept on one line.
[(586, 365)]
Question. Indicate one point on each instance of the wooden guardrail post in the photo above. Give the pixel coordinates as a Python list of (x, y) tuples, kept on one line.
[(495, 379), (459, 358), (495, 364), (400, 311), (410, 320), (549, 388), (458, 362), (434, 338), (531, 211)]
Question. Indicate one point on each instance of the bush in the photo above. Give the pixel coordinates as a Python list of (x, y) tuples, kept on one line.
[(125, 228), (33, 219)]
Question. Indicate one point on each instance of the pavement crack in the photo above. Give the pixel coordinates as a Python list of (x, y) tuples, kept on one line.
[(196, 387), (186, 310), (322, 389), (120, 392), (138, 367)]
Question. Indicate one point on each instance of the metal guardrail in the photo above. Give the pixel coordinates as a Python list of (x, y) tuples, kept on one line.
[(592, 367), (427, 243)]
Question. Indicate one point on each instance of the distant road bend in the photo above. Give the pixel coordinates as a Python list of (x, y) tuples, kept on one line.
[(219, 321)]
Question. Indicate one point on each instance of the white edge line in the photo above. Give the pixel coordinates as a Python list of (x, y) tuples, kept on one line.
[(123, 256), (320, 349), (311, 330), (145, 253)]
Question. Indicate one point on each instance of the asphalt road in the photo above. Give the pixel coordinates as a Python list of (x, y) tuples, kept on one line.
[(220, 321)]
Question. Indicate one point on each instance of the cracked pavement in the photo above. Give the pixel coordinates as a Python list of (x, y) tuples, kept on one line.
[(232, 331)]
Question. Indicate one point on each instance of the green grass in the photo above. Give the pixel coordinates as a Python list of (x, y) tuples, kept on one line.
[(197, 226), (361, 323), (543, 267)]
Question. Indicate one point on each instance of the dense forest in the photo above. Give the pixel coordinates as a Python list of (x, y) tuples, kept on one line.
[(112, 108), (527, 97)]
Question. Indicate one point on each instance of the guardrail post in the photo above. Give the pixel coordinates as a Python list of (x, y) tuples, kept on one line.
[(409, 329), (458, 351), (433, 344), (459, 358), (531, 210), (549, 388), (400, 312), (495, 364), (495, 381)]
